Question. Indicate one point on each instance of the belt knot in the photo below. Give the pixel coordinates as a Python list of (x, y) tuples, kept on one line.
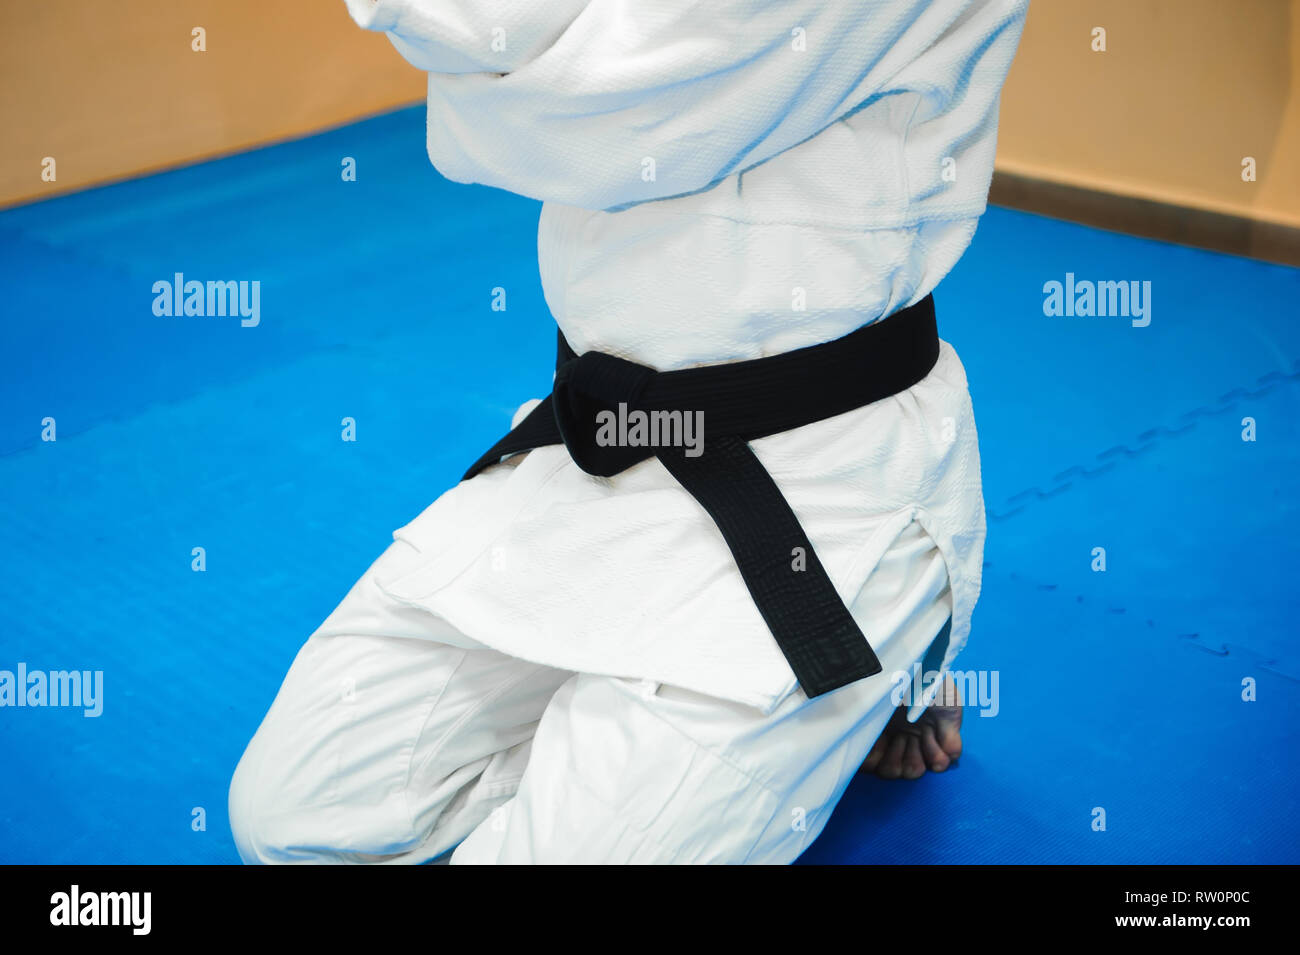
[(588, 389)]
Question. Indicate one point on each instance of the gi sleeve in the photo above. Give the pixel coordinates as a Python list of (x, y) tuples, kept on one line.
[(633, 101), (467, 36)]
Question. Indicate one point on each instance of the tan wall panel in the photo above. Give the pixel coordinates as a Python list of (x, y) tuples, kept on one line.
[(1185, 90), (111, 88)]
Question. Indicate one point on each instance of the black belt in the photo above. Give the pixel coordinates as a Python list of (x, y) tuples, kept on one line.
[(740, 402)]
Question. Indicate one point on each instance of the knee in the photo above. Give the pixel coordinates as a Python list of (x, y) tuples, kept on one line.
[(266, 819), (251, 813), (278, 789), (294, 799)]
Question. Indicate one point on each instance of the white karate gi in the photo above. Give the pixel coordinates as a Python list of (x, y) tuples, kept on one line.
[(548, 666)]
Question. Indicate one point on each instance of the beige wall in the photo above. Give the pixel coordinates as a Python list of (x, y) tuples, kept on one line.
[(1185, 90), (111, 88)]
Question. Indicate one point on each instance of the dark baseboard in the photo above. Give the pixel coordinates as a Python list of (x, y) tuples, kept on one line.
[(1149, 218)]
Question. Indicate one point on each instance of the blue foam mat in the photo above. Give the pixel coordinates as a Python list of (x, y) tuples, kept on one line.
[(1119, 690)]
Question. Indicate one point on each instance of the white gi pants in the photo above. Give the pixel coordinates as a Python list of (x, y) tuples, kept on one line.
[(395, 739)]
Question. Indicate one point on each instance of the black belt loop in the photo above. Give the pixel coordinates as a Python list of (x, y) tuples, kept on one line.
[(740, 402)]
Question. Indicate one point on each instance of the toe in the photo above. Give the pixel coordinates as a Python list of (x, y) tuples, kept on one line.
[(936, 760), (945, 717), (891, 767), (947, 733), (913, 761)]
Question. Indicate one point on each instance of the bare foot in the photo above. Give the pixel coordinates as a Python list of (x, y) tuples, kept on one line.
[(906, 750)]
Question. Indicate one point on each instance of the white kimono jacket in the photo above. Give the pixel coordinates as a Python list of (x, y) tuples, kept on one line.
[(721, 180)]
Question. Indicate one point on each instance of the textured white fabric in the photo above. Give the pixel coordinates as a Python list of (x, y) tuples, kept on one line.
[(396, 739), (816, 165), (880, 98), (628, 576)]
